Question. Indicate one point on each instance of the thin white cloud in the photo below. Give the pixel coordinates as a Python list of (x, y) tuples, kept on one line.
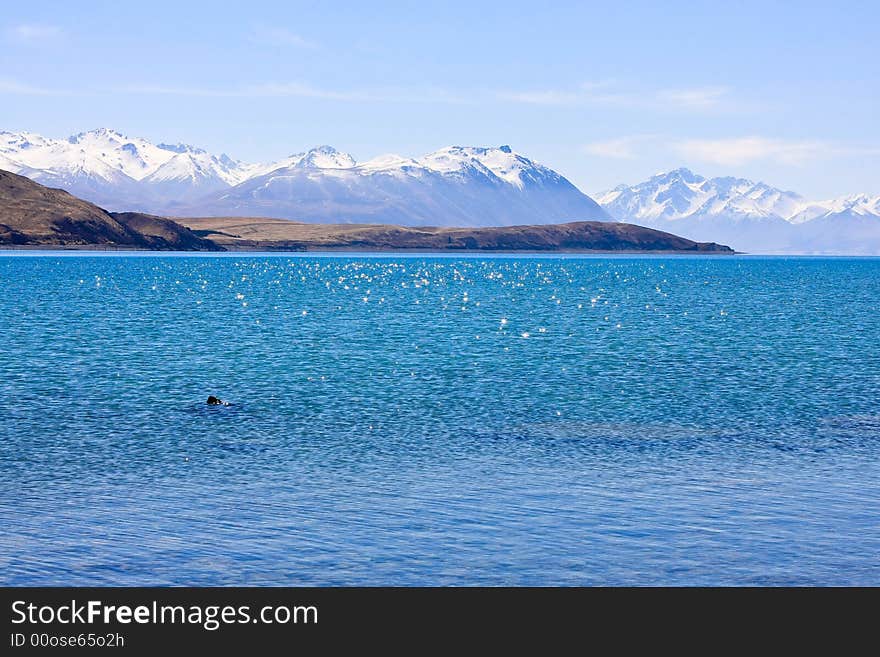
[(305, 90), (34, 32), (590, 93), (166, 90), (583, 94), (279, 37), (301, 90), (269, 89), (16, 88), (737, 151), (621, 148), (727, 151), (843, 150), (610, 94), (541, 97), (700, 98)]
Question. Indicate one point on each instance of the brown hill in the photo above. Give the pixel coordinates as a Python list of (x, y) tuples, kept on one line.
[(34, 215), (236, 233)]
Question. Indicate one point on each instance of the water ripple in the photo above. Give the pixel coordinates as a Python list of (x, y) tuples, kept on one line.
[(439, 420)]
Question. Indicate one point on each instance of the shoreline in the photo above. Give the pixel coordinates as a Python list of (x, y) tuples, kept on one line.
[(92, 248), (268, 250)]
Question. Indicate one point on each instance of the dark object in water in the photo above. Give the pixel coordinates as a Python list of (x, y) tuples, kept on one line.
[(214, 401)]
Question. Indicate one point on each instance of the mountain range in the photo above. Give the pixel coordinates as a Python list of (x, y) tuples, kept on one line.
[(752, 216), (454, 186)]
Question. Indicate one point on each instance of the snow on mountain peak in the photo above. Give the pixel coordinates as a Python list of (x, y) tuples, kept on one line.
[(748, 215), (197, 167), (107, 154), (467, 184), (98, 134), (501, 162), (390, 162), (324, 157), (103, 153), (860, 205), (683, 194), (451, 159), (454, 186), (682, 174), (180, 148), (11, 142)]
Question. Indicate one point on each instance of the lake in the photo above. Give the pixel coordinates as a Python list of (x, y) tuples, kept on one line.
[(439, 420)]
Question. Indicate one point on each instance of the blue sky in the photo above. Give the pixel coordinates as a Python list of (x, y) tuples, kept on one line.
[(605, 93)]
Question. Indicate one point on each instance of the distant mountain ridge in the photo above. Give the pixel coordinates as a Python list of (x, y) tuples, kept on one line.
[(457, 185), (106, 167), (752, 216), (461, 186)]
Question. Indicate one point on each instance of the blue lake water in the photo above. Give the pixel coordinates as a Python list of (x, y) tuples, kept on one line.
[(439, 420)]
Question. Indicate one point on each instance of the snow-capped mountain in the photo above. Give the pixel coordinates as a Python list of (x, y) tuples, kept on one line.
[(453, 186), (462, 186), (750, 216), (456, 185), (191, 173), (324, 157), (680, 194), (859, 205), (106, 167)]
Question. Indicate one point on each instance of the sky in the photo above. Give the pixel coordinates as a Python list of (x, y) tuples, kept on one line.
[(605, 93)]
